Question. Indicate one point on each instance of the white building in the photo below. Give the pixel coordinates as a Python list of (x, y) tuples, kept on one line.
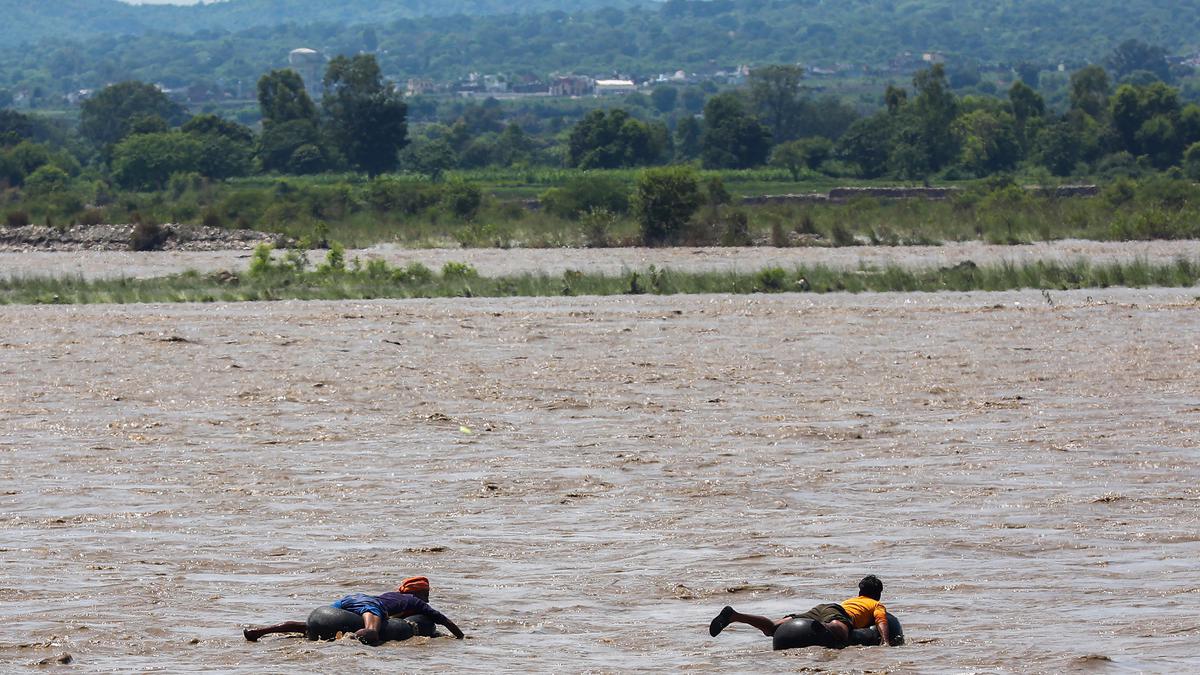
[(607, 87)]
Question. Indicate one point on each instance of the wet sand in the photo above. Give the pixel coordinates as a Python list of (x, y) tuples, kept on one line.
[(613, 261), (1022, 475)]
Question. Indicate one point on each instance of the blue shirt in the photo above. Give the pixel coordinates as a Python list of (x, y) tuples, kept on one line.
[(391, 604)]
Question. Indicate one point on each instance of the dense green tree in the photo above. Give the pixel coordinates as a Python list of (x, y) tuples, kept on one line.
[(1191, 161), (282, 98), (664, 200), (1134, 55), (1025, 102), (988, 141), (1058, 147), (292, 146), (933, 109), (1133, 107), (1089, 90), (867, 144), (687, 138), (895, 98), (214, 125), (431, 158), (14, 128), (1028, 108), (664, 98), (732, 138), (1029, 74), (1158, 139), (146, 161), (113, 112), (226, 148), (613, 139), (47, 180), (367, 118), (775, 98), (804, 153), (291, 138), (693, 99), (827, 116)]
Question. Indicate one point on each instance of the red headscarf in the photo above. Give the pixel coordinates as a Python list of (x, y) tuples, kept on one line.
[(414, 585)]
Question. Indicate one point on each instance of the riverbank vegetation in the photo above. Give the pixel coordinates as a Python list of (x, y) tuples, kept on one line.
[(291, 276), (350, 169)]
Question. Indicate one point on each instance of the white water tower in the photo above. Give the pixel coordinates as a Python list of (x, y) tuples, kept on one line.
[(309, 63)]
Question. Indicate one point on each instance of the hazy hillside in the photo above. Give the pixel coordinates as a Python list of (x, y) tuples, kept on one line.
[(643, 39), (31, 20)]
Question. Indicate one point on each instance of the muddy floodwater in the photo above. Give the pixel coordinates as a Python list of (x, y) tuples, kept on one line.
[(588, 481)]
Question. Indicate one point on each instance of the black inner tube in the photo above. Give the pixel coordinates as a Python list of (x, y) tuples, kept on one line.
[(799, 633), (324, 623)]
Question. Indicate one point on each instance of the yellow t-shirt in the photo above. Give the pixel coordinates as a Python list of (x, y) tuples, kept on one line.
[(865, 611)]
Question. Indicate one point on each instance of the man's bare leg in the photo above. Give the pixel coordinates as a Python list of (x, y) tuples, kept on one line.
[(729, 615), (372, 629), (252, 634)]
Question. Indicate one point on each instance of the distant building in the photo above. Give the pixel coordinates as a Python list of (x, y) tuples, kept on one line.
[(571, 85), (419, 86), (495, 84), (310, 64), (614, 87)]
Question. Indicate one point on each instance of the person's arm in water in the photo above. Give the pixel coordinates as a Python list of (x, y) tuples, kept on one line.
[(885, 636), (418, 606), (442, 620), (455, 630)]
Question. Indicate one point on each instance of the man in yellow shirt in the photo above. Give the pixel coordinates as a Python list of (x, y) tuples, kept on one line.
[(839, 619)]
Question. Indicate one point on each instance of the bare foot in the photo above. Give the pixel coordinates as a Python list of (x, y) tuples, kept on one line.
[(720, 621)]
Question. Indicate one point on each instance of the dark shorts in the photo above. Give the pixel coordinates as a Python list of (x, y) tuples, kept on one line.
[(361, 603), (825, 613)]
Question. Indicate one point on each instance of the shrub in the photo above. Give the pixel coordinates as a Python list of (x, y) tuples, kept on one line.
[(582, 195), (770, 280), (1191, 161), (17, 218), (778, 238), (842, 236), (737, 230), (458, 270), (597, 228), (212, 218), (413, 273), (147, 236), (260, 262), (463, 199), (665, 200), (385, 194), (92, 217), (47, 179), (335, 260)]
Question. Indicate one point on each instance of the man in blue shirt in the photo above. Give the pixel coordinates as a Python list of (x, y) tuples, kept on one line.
[(410, 598)]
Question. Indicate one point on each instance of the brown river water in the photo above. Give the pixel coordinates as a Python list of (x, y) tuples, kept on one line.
[(587, 481)]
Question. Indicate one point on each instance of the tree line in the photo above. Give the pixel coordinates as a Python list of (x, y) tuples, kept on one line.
[(137, 137)]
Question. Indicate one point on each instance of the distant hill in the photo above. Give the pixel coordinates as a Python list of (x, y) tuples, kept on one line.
[(239, 40), (31, 20)]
